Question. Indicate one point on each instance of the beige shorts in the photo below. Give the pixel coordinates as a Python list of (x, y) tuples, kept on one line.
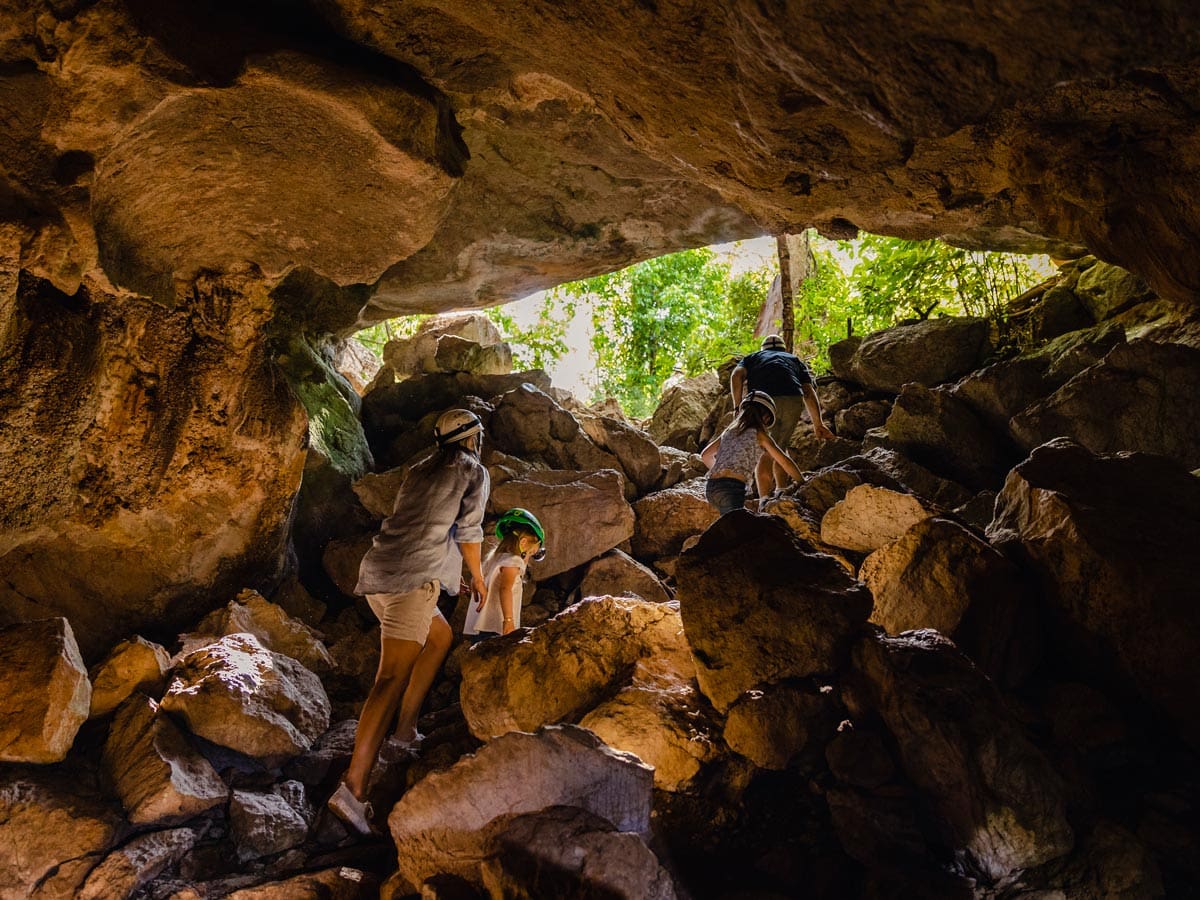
[(406, 617), (790, 409)]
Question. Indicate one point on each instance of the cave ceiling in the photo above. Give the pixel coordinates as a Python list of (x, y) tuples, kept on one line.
[(463, 153)]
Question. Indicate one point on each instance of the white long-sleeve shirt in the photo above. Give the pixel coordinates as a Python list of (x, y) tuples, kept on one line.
[(439, 506)]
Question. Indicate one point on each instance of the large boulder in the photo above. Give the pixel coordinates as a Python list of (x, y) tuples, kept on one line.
[(53, 830), (564, 667), (682, 410), (759, 608), (337, 883), (251, 613), (452, 343), (439, 825), (1106, 290), (869, 517), (45, 694), (236, 693), (942, 576), (157, 774), (1002, 390), (929, 352), (620, 575), (268, 822), (585, 514), (1112, 540), (855, 421), (528, 423), (133, 665), (565, 851), (639, 456), (770, 727), (665, 519), (1141, 396), (999, 802), (137, 863), (942, 433)]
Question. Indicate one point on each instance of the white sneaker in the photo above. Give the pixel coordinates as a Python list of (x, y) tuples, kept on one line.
[(354, 812), (410, 744)]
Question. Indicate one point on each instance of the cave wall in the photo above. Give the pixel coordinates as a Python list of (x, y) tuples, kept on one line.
[(180, 181)]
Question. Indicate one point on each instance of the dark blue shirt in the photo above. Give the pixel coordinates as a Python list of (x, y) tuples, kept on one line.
[(777, 372)]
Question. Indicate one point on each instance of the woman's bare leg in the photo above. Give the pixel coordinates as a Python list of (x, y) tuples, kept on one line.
[(424, 671), (396, 661)]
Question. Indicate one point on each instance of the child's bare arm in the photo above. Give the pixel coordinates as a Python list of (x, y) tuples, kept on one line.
[(709, 453), (768, 443), (505, 581)]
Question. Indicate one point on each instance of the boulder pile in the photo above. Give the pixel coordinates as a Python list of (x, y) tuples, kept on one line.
[(957, 659)]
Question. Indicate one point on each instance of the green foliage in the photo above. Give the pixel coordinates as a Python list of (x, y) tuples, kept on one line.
[(874, 282), (678, 310), (376, 336), (540, 344)]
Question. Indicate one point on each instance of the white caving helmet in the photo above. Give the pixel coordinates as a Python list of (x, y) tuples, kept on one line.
[(456, 425), (763, 399), (773, 342)]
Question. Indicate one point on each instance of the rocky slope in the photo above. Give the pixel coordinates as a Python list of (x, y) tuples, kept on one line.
[(957, 660)]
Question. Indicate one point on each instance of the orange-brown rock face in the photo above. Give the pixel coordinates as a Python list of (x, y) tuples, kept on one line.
[(148, 456)]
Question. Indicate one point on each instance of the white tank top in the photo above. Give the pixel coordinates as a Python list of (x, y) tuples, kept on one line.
[(492, 616)]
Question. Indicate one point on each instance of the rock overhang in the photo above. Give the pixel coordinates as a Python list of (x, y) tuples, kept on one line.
[(462, 154)]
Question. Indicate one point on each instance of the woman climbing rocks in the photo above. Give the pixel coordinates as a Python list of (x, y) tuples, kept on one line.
[(436, 524)]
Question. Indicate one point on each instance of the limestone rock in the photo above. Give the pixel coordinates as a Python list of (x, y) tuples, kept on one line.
[(929, 352), (682, 410), (158, 775), (170, 481), (1111, 539), (665, 519), (341, 559), (134, 665), (841, 355), (137, 863), (238, 694), (438, 824), (771, 726), (251, 613), (869, 517), (678, 466), (338, 883), (667, 726), (638, 455), (910, 475), (355, 363), (1109, 861), (1000, 391), (618, 574), (377, 490), (1140, 397), (265, 823), (529, 424), (758, 609), (940, 432), (855, 421), (391, 408), (565, 851), (1106, 290), (584, 513), (1058, 312), (810, 453), (1000, 802), (44, 691), (53, 831), (565, 667), (858, 757), (445, 344), (931, 575)]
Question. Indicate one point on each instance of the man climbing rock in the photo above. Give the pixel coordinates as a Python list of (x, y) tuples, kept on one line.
[(787, 379)]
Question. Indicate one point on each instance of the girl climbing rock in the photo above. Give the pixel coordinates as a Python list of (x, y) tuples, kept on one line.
[(436, 524), (499, 610), (736, 454)]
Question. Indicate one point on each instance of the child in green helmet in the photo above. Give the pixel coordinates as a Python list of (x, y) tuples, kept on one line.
[(499, 608)]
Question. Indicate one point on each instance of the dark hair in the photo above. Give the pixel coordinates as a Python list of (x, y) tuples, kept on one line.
[(753, 415)]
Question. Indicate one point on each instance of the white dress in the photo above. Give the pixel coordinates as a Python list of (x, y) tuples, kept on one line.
[(492, 616)]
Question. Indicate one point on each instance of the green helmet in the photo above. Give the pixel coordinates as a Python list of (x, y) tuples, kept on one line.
[(518, 516)]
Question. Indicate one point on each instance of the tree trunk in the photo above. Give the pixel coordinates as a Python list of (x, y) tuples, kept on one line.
[(795, 264)]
